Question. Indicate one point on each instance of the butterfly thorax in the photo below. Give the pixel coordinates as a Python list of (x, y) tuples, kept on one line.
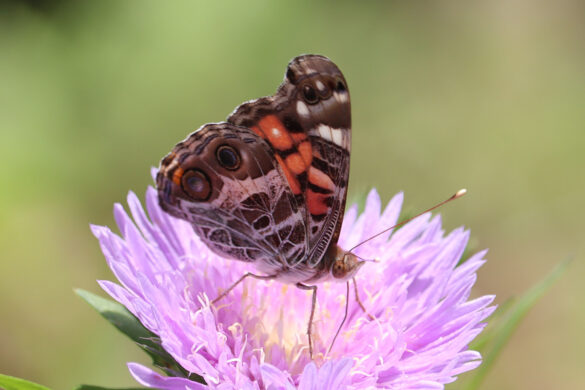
[(344, 265)]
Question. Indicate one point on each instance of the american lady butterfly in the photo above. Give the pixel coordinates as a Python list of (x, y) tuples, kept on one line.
[(268, 186)]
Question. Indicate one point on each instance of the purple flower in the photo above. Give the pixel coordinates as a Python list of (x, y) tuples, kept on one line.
[(255, 337)]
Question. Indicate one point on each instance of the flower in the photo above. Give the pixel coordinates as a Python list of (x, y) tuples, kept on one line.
[(255, 337)]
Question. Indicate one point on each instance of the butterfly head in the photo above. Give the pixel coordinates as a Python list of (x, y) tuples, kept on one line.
[(345, 265)]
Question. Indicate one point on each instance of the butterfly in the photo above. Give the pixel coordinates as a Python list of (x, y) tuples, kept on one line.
[(268, 186)]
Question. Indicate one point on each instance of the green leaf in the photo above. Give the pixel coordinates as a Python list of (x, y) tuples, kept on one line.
[(482, 342), (504, 323), (12, 383), (129, 325), (124, 321)]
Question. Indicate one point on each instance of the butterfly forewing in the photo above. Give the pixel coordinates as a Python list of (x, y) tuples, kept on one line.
[(308, 125)]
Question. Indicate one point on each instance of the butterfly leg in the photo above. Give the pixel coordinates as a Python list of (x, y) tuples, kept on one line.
[(313, 305), (344, 316), (357, 298), (240, 280)]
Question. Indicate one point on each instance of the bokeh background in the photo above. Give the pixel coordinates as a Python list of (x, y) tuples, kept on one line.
[(445, 94)]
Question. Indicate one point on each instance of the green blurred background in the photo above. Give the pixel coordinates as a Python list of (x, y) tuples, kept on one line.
[(445, 94)]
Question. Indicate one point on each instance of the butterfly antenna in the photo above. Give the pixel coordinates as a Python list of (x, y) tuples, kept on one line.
[(458, 194)]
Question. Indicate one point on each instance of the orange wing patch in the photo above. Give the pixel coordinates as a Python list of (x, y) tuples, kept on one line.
[(290, 177), (275, 132), (306, 152), (177, 175), (317, 203), (320, 179), (298, 137), (295, 163), (259, 132)]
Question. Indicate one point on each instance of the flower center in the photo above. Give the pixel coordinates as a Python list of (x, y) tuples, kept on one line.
[(276, 316)]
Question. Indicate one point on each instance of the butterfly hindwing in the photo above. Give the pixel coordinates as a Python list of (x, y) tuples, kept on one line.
[(243, 207)]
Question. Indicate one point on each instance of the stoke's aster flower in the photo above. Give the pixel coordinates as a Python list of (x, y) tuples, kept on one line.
[(255, 338)]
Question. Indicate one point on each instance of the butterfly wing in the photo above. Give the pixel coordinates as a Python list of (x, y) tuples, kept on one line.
[(269, 186), (307, 124), (225, 181)]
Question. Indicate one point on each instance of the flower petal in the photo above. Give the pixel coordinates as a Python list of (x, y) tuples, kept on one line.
[(147, 377), (255, 337)]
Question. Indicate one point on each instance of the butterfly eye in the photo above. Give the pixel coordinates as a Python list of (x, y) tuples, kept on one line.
[(338, 270), (309, 94), (228, 157), (196, 184), (340, 86)]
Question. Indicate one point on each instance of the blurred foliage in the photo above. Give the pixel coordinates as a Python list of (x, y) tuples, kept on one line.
[(445, 94), (12, 383), (502, 324)]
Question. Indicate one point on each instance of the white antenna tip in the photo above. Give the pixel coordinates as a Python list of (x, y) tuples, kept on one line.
[(460, 193)]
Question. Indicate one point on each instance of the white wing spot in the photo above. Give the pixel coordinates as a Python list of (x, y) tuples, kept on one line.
[(332, 135), (320, 85), (337, 137), (340, 97), (302, 109), (324, 132)]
